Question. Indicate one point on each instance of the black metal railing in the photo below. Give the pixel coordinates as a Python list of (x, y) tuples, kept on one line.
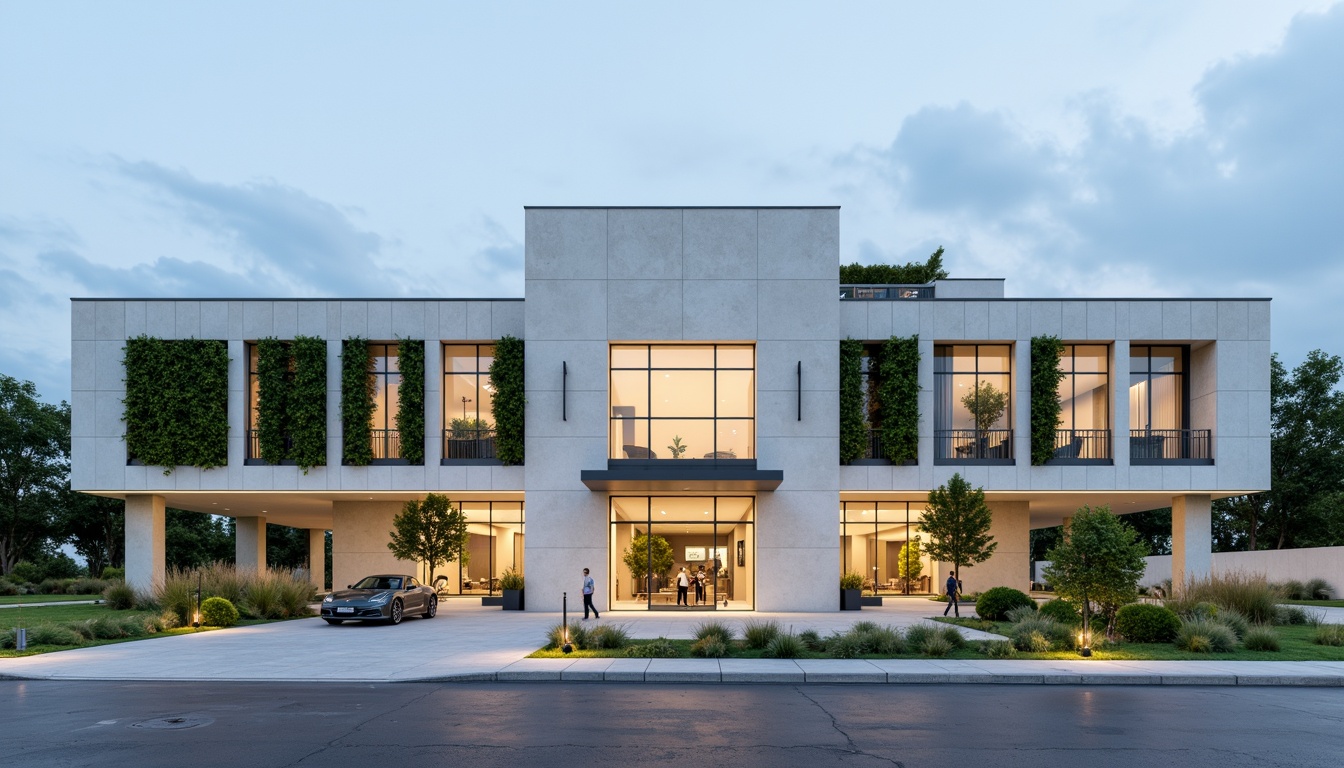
[(873, 450), (1082, 444), (1170, 444), (973, 444), (469, 443), (386, 444), (886, 292)]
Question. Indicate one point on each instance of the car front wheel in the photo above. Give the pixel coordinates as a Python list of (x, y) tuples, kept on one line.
[(395, 617), (431, 608)]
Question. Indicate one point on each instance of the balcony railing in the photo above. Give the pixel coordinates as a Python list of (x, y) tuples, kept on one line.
[(469, 443), (386, 444), (1082, 444), (254, 445), (1162, 445), (958, 445), (886, 292), (873, 450)]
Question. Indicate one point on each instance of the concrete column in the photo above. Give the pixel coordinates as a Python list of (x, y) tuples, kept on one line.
[(1191, 539), (317, 558), (144, 541), (250, 543), (1010, 565)]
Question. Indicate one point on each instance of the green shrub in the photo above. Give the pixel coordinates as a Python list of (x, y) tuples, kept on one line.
[(997, 649), (710, 647), (851, 580), (844, 646), (784, 646), (1031, 641), (1328, 634), (1061, 611), (995, 603), (952, 636), (86, 586), (1318, 589), (511, 579), (218, 612), (54, 586), (662, 648), (936, 646), (1143, 623), (1235, 622), (886, 641), (1293, 589), (759, 632), (120, 596), (112, 573), (1261, 639), (1039, 635), (1205, 637), (1291, 615), (863, 626), (917, 634), (608, 636), (714, 628), (8, 588), (1018, 614)]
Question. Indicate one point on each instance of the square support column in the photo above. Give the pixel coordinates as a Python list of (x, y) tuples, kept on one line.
[(250, 543), (1010, 565), (1191, 539), (317, 558), (144, 541)]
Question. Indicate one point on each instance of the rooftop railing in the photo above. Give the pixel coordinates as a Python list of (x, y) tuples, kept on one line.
[(885, 292)]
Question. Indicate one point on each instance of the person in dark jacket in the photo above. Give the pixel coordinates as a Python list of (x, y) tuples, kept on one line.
[(953, 589)]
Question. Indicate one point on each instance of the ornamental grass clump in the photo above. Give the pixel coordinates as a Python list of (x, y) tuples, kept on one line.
[(785, 645), (1039, 635), (997, 649), (1261, 638), (1291, 615), (1251, 595), (119, 596), (757, 633), (953, 637), (177, 593), (936, 646), (1328, 634), (1235, 622), (262, 598), (1318, 589), (884, 641), (710, 647), (1202, 636), (608, 637), (714, 628), (53, 634), (812, 639), (661, 648)]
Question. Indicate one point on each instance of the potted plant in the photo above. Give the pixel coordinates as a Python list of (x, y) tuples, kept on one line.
[(851, 591), (647, 556), (512, 585), (986, 404), (470, 438)]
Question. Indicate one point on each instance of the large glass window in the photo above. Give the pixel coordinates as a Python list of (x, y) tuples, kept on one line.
[(682, 553), (254, 402), (1159, 399), (1085, 398), (494, 544), (688, 401), (468, 402), (387, 383), (973, 401), (882, 542)]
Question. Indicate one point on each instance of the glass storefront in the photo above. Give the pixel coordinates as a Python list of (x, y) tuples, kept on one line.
[(682, 553), (494, 544), (881, 541)]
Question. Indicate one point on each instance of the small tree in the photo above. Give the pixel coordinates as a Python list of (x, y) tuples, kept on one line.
[(647, 555), (430, 531), (909, 566), (958, 521), (986, 404), (1100, 561)]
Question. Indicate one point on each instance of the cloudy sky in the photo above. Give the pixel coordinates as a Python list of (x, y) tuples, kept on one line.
[(359, 149)]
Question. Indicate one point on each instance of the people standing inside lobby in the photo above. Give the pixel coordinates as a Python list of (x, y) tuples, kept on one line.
[(683, 581), (953, 588), (700, 586), (588, 596)]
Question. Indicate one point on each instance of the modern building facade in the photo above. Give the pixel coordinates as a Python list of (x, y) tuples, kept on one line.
[(682, 385)]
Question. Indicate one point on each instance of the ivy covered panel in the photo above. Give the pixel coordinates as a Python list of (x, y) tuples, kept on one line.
[(177, 402)]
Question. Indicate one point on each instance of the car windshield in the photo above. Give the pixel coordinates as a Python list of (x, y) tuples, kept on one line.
[(379, 582)]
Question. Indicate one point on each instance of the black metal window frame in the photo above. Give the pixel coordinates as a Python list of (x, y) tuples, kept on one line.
[(384, 435), (876, 508), (492, 584), (1076, 445), (479, 449), (253, 446), (1184, 381), (1181, 445), (614, 420), (941, 430)]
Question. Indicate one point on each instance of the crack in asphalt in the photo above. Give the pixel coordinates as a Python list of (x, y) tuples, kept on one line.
[(357, 727), (849, 740)]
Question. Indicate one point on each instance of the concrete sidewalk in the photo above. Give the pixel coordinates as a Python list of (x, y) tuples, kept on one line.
[(469, 642)]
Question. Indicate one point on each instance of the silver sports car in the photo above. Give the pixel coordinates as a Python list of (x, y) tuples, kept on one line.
[(386, 597)]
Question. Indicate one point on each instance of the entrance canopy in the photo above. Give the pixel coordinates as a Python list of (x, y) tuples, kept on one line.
[(697, 475)]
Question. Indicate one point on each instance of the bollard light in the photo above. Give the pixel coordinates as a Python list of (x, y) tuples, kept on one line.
[(564, 619), (1085, 641)]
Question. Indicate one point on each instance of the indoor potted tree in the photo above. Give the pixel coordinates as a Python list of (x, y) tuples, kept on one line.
[(512, 585), (986, 404), (647, 555), (851, 591)]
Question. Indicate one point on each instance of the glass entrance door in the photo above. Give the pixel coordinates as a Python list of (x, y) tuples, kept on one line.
[(682, 553)]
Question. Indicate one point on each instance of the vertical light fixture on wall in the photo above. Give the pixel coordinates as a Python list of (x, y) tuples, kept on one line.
[(800, 390), (564, 391)]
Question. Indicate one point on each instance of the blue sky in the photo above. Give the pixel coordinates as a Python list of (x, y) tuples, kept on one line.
[(359, 149)]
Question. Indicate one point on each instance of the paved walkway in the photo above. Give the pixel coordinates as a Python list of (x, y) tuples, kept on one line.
[(469, 642)]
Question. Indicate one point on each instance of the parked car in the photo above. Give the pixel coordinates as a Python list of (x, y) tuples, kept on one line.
[(385, 597)]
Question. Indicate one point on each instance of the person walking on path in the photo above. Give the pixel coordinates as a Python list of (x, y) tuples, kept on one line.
[(588, 596), (953, 588), (683, 581)]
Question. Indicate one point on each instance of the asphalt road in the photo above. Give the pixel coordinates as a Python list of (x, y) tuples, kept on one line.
[(499, 724)]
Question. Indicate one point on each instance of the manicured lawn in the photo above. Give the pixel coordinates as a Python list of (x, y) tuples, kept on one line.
[(1318, 603), (56, 614), (1295, 640), (26, 599)]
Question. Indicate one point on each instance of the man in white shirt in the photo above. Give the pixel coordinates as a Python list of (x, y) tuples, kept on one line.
[(683, 581), (588, 596)]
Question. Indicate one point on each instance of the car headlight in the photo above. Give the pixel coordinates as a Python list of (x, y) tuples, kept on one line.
[(327, 599), (381, 597)]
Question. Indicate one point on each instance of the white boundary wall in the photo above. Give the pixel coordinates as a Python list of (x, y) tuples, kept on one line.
[(1276, 564)]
